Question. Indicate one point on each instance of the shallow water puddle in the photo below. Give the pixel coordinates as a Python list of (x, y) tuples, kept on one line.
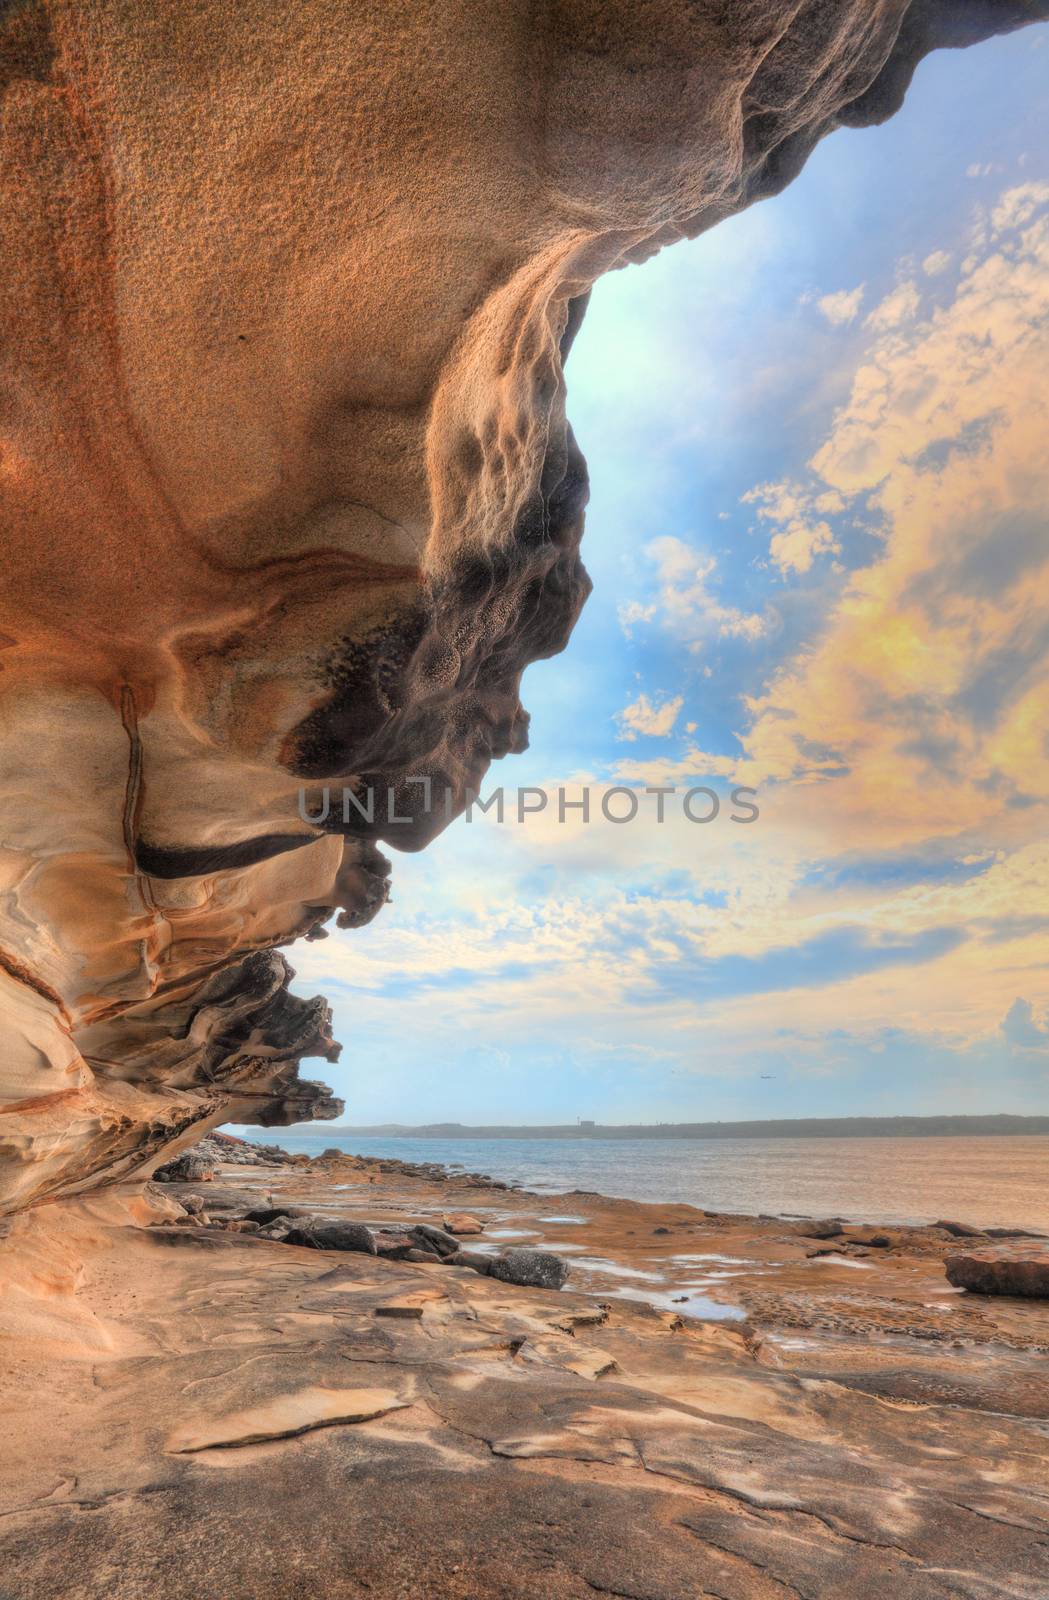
[(686, 1302), (614, 1269)]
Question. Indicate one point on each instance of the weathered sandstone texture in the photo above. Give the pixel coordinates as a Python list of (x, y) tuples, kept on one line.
[(289, 494), (1017, 1269), (233, 1418)]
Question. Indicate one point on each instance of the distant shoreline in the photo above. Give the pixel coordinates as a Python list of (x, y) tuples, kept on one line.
[(773, 1128)]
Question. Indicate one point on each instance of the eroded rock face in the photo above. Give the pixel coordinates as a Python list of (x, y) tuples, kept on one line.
[(1017, 1269), (289, 495)]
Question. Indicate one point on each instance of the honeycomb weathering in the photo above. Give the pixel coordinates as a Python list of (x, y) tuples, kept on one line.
[(288, 490)]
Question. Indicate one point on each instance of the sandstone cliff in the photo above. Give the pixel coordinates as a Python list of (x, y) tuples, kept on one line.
[(289, 494)]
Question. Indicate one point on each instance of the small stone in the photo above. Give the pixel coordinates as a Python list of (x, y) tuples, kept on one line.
[(532, 1269)]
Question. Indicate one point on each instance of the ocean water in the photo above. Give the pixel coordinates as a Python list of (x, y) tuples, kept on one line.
[(988, 1182)]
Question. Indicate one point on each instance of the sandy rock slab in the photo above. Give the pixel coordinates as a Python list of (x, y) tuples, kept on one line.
[(232, 1418), (1015, 1269), (283, 1417)]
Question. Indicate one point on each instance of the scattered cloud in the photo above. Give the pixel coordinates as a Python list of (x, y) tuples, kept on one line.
[(1018, 205), (632, 613), (898, 307), (936, 263), (687, 604), (843, 306), (803, 532), (654, 719)]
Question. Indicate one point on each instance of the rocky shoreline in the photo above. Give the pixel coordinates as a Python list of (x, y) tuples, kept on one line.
[(710, 1405)]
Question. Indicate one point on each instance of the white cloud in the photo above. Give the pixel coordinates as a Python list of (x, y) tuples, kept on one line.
[(686, 603), (936, 263), (803, 533), (897, 307), (1017, 206), (843, 306), (979, 169), (654, 719), (633, 612)]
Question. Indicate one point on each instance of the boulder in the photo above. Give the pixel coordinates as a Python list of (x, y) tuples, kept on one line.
[(394, 1243), (317, 1234), (460, 1222), (532, 1269), (1017, 1269), (959, 1230), (189, 1167), (435, 1239), (470, 1258)]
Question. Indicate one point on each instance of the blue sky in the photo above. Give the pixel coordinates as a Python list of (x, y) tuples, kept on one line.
[(816, 441)]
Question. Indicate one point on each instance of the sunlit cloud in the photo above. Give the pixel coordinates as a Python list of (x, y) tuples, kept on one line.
[(843, 306), (899, 306), (654, 719), (688, 604), (820, 543), (803, 532)]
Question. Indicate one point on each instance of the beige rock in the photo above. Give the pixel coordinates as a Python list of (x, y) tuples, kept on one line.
[(462, 1224), (284, 1416)]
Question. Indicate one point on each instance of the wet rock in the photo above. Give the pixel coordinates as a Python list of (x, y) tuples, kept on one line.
[(532, 1269), (422, 1255), (193, 1203), (959, 1230), (819, 1230), (1018, 1269)]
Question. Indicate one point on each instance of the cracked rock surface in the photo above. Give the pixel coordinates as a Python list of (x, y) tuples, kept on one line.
[(232, 1418), (289, 496)]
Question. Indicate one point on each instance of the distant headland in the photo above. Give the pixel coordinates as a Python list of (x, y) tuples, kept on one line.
[(768, 1128)]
